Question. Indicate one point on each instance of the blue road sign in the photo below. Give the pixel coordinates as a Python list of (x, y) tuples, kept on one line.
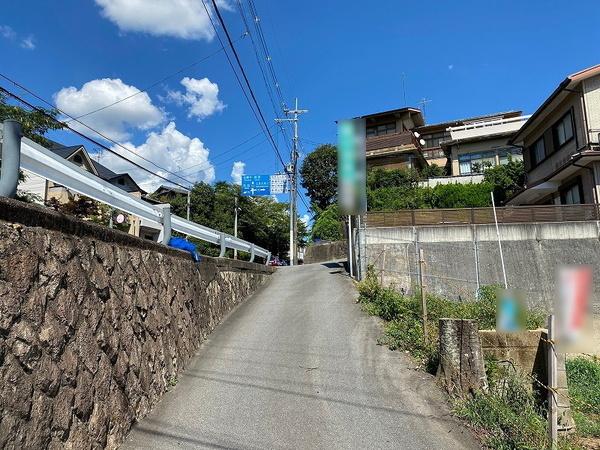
[(253, 185)]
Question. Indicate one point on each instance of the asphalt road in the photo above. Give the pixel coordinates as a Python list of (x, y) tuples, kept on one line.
[(298, 366)]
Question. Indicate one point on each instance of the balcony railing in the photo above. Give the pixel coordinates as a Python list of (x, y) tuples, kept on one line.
[(486, 128), (468, 216)]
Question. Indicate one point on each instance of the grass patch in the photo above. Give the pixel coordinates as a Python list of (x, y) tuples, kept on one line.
[(512, 414), (583, 378), (402, 313), (506, 417)]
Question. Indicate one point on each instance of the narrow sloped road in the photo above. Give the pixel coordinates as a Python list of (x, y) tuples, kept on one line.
[(298, 366)]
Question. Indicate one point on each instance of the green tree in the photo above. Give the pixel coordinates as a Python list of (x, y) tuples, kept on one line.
[(432, 171), (506, 179), (329, 225), (34, 124), (319, 176), (392, 178), (261, 220)]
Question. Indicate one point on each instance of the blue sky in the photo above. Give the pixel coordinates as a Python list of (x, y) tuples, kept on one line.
[(341, 58)]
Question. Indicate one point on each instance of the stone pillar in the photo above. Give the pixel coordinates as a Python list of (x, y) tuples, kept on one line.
[(461, 366)]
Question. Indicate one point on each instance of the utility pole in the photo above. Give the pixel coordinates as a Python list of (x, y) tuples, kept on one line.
[(235, 221), (292, 171)]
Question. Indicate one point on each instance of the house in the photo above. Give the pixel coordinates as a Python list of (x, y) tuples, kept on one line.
[(464, 146), (390, 143), (43, 190), (399, 138), (480, 142), (560, 143), (169, 192)]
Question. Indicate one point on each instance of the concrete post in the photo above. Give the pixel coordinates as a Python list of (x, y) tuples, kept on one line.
[(11, 158), (268, 260), (223, 246), (166, 223), (252, 253)]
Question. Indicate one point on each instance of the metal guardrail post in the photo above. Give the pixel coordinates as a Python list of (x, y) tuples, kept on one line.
[(252, 253), (223, 246), (268, 259), (11, 158), (165, 209)]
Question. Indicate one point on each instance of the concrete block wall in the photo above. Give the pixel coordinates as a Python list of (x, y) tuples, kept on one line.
[(95, 326), (326, 251), (459, 258)]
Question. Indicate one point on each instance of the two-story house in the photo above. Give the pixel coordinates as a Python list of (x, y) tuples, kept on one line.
[(465, 146), (560, 143)]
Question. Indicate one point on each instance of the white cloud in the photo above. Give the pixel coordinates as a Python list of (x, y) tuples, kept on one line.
[(28, 43), (116, 122), (450, 66), (169, 149), (237, 171), (7, 32), (202, 97), (186, 19), (306, 219)]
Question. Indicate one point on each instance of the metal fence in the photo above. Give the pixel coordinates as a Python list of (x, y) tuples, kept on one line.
[(462, 216), (44, 163)]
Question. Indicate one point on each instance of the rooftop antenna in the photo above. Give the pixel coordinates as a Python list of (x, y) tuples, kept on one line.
[(423, 103), (404, 87)]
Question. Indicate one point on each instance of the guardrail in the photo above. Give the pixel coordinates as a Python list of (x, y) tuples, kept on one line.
[(41, 161), (480, 216)]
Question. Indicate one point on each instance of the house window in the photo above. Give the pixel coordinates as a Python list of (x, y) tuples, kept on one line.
[(538, 152), (379, 130), (433, 140), (475, 162), (77, 159), (563, 130), (572, 195), (507, 154)]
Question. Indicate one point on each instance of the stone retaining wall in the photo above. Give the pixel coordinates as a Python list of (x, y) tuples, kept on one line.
[(93, 333)]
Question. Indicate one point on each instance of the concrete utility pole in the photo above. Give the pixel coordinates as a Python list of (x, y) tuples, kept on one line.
[(235, 221), (292, 172)]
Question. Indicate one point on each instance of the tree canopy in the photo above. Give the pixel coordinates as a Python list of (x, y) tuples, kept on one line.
[(261, 220), (319, 176), (34, 124), (328, 226)]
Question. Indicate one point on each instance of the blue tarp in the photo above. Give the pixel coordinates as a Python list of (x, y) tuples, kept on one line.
[(182, 244)]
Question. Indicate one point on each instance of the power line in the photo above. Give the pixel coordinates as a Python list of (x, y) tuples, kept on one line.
[(241, 67), (262, 70), (229, 150), (146, 89), (93, 141), (92, 129)]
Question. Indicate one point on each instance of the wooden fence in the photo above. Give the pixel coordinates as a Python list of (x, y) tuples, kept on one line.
[(460, 216)]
